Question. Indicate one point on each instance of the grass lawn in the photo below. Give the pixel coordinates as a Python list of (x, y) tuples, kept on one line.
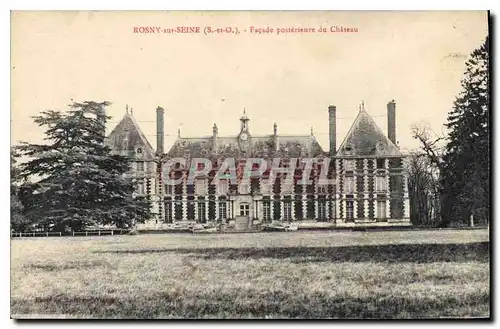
[(391, 274)]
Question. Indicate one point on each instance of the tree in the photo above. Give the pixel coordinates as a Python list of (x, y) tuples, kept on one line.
[(425, 167), (423, 190), (18, 221), (73, 180), (466, 170)]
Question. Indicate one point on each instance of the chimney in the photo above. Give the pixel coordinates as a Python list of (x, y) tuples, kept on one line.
[(215, 131), (332, 112), (391, 121), (160, 113), (275, 137)]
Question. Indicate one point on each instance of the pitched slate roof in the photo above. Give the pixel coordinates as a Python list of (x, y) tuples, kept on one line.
[(365, 138), (260, 146), (126, 138)]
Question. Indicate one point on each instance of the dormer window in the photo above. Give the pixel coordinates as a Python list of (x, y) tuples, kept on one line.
[(139, 152)]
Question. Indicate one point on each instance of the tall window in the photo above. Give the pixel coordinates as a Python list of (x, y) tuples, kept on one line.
[(201, 211), (267, 210), (265, 187), (349, 209), (140, 188), (168, 189), (381, 183), (287, 210), (223, 187), (322, 209), (381, 209), (222, 210), (349, 184), (168, 212), (201, 187), (286, 187), (380, 163), (140, 166)]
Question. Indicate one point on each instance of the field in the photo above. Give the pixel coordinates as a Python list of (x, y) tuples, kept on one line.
[(392, 274)]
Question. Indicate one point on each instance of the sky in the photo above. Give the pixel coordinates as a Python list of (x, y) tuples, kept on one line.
[(415, 58)]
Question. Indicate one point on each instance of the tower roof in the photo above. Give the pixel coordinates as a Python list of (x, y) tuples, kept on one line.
[(127, 138), (365, 138)]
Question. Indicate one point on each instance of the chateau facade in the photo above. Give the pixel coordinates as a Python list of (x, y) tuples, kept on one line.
[(363, 180)]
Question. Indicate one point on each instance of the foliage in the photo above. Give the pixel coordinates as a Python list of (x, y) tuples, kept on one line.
[(19, 222), (424, 190), (73, 181), (466, 171), (464, 164)]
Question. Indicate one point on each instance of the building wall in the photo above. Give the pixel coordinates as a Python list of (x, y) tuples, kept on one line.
[(366, 189)]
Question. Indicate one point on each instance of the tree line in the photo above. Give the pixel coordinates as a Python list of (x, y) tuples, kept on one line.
[(449, 176)]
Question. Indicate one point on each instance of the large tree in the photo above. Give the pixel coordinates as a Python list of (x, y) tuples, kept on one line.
[(19, 222), (74, 180), (466, 171)]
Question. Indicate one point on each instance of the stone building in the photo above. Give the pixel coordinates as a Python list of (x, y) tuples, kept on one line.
[(366, 183)]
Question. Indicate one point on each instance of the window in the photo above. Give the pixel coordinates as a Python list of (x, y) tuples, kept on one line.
[(349, 209), (244, 188), (349, 184), (140, 166), (168, 189), (201, 211), (267, 210), (322, 189), (287, 210), (140, 188), (380, 163), (200, 187), (223, 187), (381, 209), (286, 188), (168, 212), (244, 209), (265, 187), (222, 210), (322, 209), (349, 165), (381, 183)]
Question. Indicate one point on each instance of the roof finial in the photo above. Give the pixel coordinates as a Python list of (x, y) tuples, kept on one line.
[(131, 111), (126, 108), (312, 131), (362, 105), (244, 111), (179, 132)]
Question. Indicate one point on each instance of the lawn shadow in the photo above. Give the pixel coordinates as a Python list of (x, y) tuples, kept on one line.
[(255, 303), (392, 253)]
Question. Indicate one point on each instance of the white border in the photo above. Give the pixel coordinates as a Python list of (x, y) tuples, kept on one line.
[(183, 5)]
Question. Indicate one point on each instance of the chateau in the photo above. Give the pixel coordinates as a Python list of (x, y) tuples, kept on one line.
[(367, 181)]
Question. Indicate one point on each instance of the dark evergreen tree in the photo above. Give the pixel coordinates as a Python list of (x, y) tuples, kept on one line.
[(18, 221), (466, 171), (74, 180)]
